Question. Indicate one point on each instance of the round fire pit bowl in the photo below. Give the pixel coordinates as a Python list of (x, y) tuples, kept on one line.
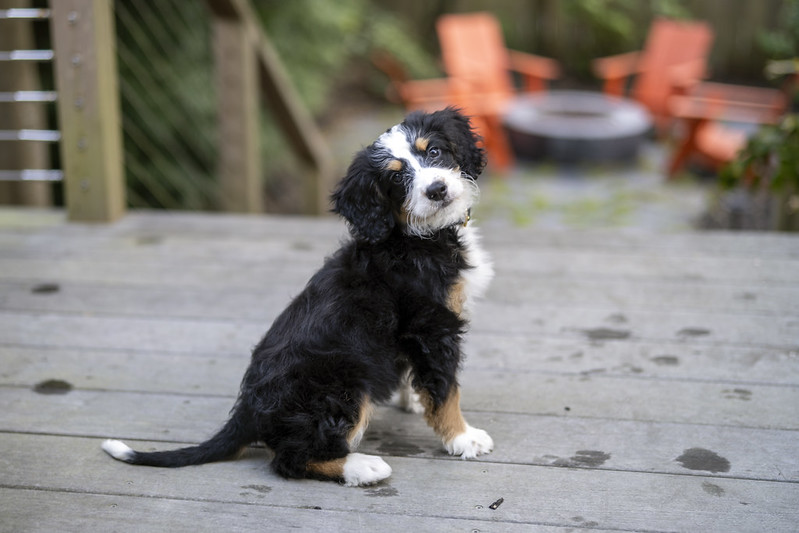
[(576, 126)]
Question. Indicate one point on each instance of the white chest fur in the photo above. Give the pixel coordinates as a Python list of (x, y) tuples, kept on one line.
[(476, 279)]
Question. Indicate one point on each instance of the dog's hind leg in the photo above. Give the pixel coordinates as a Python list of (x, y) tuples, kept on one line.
[(356, 469), (352, 469)]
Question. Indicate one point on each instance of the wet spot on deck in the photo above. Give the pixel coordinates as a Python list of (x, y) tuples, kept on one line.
[(737, 394), (260, 489), (617, 318), (382, 492), (702, 459), (712, 489), (399, 448), (693, 332), (46, 288), (580, 520), (302, 246), (52, 386), (600, 334), (149, 240), (666, 360), (584, 458)]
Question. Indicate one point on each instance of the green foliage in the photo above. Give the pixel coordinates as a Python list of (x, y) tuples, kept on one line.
[(318, 39), (617, 20), (673, 9), (783, 42), (770, 158), (611, 26), (607, 17), (607, 21)]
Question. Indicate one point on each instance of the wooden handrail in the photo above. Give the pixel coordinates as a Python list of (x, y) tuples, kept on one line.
[(247, 66), (236, 25)]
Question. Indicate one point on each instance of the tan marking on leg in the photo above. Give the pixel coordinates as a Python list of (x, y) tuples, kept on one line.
[(421, 144), (446, 420), (333, 469), (365, 414), (394, 164), (457, 297)]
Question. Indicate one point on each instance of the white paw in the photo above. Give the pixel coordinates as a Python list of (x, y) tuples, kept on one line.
[(360, 469), (470, 443)]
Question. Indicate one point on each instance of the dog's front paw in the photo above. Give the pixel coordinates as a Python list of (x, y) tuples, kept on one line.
[(360, 469), (470, 443)]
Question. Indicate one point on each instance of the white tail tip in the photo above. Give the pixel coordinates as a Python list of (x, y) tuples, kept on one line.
[(118, 450)]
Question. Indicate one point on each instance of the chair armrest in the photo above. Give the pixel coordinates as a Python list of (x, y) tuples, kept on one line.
[(741, 95), (534, 69), (615, 70), (714, 101)]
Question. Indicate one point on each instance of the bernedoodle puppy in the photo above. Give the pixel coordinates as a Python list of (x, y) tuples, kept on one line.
[(390, 305)]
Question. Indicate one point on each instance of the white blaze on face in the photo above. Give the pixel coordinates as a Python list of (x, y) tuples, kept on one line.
[(426, 215)]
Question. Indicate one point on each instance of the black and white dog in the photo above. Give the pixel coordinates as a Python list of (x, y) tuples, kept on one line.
[(390, 304)]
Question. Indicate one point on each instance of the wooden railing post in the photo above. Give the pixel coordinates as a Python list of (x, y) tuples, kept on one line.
[(238, 117), (278, 94), (88, 109)]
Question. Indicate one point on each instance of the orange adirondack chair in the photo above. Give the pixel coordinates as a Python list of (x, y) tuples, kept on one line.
[(705, 111), (479, 69), (673, 60)]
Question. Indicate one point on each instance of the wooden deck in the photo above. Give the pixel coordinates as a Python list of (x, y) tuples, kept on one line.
[(630, 382)]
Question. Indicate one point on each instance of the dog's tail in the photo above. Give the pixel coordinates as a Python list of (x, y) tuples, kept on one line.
[(234, 435)]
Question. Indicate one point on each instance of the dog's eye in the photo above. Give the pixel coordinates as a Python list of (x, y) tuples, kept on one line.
[(434, 152), (396, 177)]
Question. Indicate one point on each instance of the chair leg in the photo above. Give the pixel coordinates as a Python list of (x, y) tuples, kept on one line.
[(686, 147)]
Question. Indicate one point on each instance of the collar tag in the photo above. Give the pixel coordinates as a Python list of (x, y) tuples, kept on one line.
[(468, 217)]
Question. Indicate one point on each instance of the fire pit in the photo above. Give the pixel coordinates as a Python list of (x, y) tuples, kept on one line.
[(576, 126)]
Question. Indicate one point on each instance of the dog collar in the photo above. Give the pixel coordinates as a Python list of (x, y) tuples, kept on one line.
[(467, 217)]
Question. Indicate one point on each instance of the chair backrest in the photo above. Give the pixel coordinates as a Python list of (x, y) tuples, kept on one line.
[(473, 49), (675, 50)]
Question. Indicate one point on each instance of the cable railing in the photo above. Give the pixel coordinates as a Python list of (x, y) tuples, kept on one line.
[(28, 96), (184, 115)]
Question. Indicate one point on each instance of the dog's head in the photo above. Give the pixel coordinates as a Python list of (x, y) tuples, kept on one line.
[(419, 176)]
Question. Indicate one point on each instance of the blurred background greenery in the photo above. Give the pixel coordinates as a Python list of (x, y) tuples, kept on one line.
[(167, 84)]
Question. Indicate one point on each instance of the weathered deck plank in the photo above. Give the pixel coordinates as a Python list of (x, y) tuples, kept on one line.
[(453, 489), (81, 511), (588, 324), (596, 361), (548, 440), (114, 265), (252, 302)]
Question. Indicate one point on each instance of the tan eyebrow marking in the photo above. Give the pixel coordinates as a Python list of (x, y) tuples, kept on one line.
[(394, 164), (421, 143)]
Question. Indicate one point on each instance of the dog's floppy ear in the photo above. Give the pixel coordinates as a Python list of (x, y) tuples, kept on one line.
[(463, 139), (360, 200)]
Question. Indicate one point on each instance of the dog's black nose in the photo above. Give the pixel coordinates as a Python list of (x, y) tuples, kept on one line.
[(437, 191)]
